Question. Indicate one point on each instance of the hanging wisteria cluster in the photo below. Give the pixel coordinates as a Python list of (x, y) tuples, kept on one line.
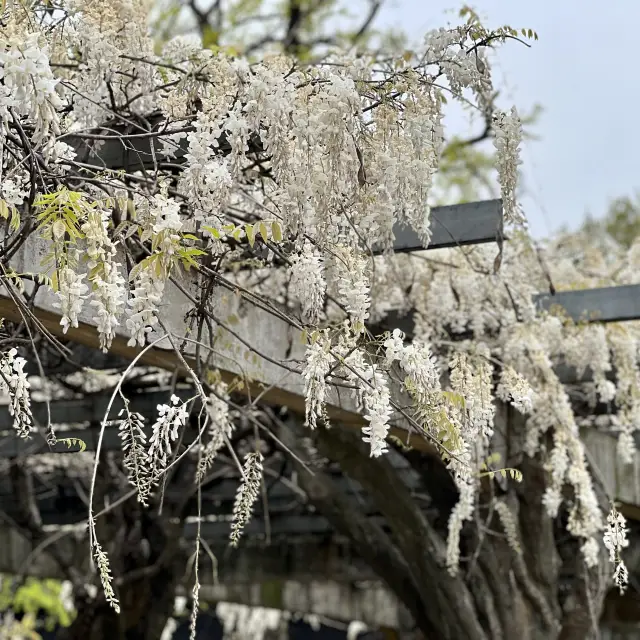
[(298, 170)]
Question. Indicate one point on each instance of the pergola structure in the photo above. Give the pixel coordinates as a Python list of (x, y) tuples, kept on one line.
[(285, 513)]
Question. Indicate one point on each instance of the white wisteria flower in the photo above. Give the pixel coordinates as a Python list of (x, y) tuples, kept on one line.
[(507, 139), (134, 447), (615, 539), (220, 428), (317, 367), (247, 495), (171, 417), (14, 381), (308, 285), (72, 293)]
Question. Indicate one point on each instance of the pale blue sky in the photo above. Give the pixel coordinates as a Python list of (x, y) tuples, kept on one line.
[(582, 71)]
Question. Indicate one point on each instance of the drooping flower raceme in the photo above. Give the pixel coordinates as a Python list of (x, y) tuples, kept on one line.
[(353, 285), (144, 301), (162, 223), (373, 387), (308, 285), (507, 139), (247, 494), (29, 87), (163, 432), (615, 539), (471, 380), (514, 388), (104, 274), (72, 292), (134, 447), (317, 367), (219, 431), (206, 179), (14, 381)]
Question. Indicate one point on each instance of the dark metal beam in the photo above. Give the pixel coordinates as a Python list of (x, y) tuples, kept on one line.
[(606, 304), (61, 502), (455, 225)]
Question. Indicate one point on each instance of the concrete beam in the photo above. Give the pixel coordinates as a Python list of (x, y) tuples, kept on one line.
[(272, 345), (369, 602), (621, 481)]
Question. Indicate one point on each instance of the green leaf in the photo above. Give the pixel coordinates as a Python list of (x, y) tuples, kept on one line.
[(213, 231), (263, 231), (74, 442), (276, 231), (251, 234)]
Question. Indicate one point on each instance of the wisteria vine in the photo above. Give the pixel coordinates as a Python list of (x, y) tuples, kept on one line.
[(298, 170)]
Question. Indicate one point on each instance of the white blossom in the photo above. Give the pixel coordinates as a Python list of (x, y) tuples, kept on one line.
[(14, 381), (461, 512), (353, 285), (307, 284), (72, 292), (163, 432), (134, 441), (145, 298), (373, 386), (615, 539), (514, 388), (108, 283), (318, 364), (29, 87), (14, 191), (247, 494), (507, 139), (219, 431)]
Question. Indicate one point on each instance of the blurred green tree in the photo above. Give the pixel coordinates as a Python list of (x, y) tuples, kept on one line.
[(31, 598), (621, 222)]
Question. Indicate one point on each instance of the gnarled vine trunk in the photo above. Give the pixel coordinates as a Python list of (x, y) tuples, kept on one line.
[(533, 587)]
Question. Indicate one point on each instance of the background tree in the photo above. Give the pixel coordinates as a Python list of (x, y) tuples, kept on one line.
[(621, 222)]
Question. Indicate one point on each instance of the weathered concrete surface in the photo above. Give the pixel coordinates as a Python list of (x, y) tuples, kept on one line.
[(370, 602), (621, 481)]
